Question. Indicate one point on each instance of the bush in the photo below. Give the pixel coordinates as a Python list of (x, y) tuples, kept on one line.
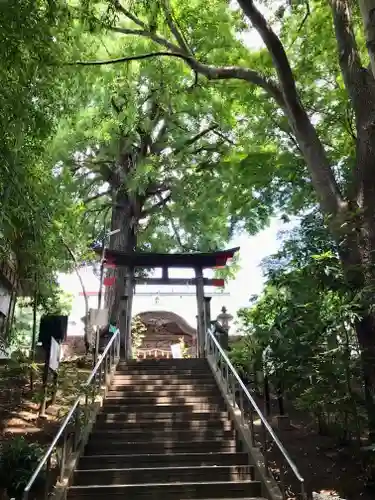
[(18, 460)]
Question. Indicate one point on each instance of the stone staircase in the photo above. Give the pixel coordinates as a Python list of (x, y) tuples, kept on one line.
[(164, 434)]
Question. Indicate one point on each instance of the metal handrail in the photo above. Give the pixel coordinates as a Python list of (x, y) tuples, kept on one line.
[(210, 338), (110, 356)]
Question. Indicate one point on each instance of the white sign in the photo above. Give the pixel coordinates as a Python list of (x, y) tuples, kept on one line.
[(54, 355), (176, 350), (98, 317), (5, 296), (4, 352)]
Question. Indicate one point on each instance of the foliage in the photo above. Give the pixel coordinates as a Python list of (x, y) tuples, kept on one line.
[(299, 117), (190, 131), (265, 163), (138, 332), (37, 204), (58, 302), (18, 459), (305, 319), (241, 355), (184, 348), (229, 271)]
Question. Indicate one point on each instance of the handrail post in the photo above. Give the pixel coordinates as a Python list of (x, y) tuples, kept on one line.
[(93, 382), (48, 475), (201, 326), (63, 456), (77, 427), (222, 365), (241, 407)]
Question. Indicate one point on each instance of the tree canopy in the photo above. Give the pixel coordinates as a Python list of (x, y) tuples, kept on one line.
[(308, 93), (179, 123)]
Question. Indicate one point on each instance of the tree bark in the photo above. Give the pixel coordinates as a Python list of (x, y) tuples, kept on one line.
[(366, 338), (125, 219), (368, 17)]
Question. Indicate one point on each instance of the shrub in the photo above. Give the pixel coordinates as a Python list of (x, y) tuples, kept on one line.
[(18, 460)]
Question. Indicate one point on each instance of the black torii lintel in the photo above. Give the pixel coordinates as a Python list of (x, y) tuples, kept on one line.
[(167, 260)]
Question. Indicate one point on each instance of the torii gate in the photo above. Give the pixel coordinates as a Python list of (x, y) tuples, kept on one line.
[(150, 260)]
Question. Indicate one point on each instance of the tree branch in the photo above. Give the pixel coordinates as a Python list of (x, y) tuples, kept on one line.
[(305, 17), (158, 142), (367, 9), (157, 189), (209, 71), (349, 58), (148, 34), (95, 197), (175, 231), (224, 137), (196, 137), (323, 179), (154, 208), (127, 13), (174, 29)]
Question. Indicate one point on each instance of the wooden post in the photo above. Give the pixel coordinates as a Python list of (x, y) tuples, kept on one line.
[(267, 398), (123, 335), (280, 398), (129, 284), (197, 337), (33, 338), (199, 287), (207, 314), (207, 310), (11, 313), (43, 405)]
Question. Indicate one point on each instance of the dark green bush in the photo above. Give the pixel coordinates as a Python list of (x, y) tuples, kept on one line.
[(18, 460)]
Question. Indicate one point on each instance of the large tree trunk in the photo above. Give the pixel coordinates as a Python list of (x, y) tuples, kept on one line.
[(357, 253), (125, 240), (366, 338), (368, 16)]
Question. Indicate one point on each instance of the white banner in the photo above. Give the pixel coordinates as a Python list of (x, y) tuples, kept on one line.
[(54, 355), (176, 350), (5, 296)]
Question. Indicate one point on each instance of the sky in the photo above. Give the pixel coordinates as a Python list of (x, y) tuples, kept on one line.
[(248, 282)]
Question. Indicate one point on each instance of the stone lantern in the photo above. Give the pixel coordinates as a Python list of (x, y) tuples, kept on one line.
[(224, 320)]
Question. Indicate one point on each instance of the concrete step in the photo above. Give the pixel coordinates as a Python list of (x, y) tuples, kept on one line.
[(163, 475), (163, 368), (107, 447), (164, 426), (150, 435), (140, 409), (128, 383), (116, 415), (158, 460), (138, 392), (173, 399), (157, 381), (171, 375), (170, 370), (179, 364), (168, 491)]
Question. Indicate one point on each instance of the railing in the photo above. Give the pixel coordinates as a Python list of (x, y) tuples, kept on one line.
[(265, 437), (72, 430)]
